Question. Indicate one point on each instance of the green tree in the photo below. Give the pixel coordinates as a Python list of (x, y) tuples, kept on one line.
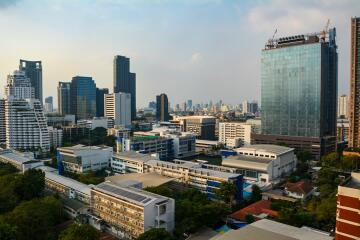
[(8, 196), (249, 218), (156, 234), (255, 193), (161, 190), (227, 192), (32, 184), (7, 168), (79, 232), (7, 232)]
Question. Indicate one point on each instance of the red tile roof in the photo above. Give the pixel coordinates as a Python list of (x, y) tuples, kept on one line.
[(300, 187), (257, 208)]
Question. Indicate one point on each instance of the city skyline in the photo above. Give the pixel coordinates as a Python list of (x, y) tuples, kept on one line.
[(211, 50)]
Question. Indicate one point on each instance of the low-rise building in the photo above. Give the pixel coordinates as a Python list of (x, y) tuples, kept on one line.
[(130, 211), (96, 122), (205, 145), (263, 163), (202, 126), (299, 190), (259, 210), (80, 158), (130, 162), (20, 160)]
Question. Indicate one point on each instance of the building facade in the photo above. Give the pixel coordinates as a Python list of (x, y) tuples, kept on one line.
[(343, 109), (83, 97), (125, 81), (299, 86), (202, 126), (56, 137), (2, 122), (19, 86), (33, 70), (63, 91), (100, 94), (118, 107), (49, 107), (162, 108), (235, 134), (354, 101)]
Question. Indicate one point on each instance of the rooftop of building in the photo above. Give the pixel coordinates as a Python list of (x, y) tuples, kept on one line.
[(134, 195), (195, 117), (353, 181), (132, 155), (146, 179), (270, 148), (206, 142), (260, 209), (83, 147), (248, 162), (300, 187), (271, 230), (14, 156)]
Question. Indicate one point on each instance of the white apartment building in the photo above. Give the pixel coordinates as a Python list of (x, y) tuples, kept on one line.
[(118, 107), (56, 137), (19, 86), (235, 134), (343, 103), (103, 122), (26, 126), (263, 163), (2, 122), (80, 158)]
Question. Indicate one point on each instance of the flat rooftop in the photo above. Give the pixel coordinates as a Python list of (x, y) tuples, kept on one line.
[(10, 156), (354, 181), (247, 162), (147, 179), (271, 230), (83, 147), (130, 194), (135, 156), (270, 148)]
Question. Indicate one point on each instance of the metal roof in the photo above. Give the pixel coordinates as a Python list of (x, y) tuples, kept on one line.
[(270, 148)]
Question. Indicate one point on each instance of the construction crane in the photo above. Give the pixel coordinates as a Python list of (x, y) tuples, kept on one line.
[(271, 40), (325, 31)]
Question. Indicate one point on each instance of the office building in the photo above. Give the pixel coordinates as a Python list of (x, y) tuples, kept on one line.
[(125, 81), (152, 105), (33, 70), (343, 110), (348, 209), (245, 107), (189, 104), (202, 126), (56, 120), (26, 126), (48, 107), (162, 108), (56, 137), (83, 97), (2, 122), (263, 163), (253, 107), (299, 91), (19, 86), (100, 94), (118, 107), (354, 101), (235, 134), (131, 211), (63, 91), (96, 122), (80, 158)]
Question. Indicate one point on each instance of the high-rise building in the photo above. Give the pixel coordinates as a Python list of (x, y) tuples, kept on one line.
[(83, 97), (245, 107), (253, 107), (342, 108), (189, 104), (33, 70), (26, 126), (125, 81), (49, 107), (162, 108), (299, 91), (19, 86), (2, 122), (348, 205), (354, 106), (64, 106), (100, 94), (118, 107)]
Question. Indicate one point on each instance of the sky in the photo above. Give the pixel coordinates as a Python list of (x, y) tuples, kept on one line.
[(189, 49)]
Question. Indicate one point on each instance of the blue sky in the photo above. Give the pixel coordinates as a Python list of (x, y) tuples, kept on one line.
[(189, 49)]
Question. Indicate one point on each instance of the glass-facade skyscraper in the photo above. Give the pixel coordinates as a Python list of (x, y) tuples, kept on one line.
[(83, 97), (100, 94), (33, 70), (125, 81), (64, 98), (162, 108)]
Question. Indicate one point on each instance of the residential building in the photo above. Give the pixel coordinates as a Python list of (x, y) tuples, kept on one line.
[(118, 107), (26, 126), (162, 108), (354, 100), (131, 211), (125, 81), (19, 86), (49, 107), (96, 122), (299, 190), (245, 107), (56, 137), (263, 163), (202, 126), (299, 91), (343, 109), (64, 93), (80, 158), (235, 134), (271, 230), (33, 70), (348, 209), (83, 97), (259, 210), (2, 122), (100, 94)]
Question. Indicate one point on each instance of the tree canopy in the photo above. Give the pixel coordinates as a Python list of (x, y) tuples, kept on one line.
[(79, 232), (155, 234)]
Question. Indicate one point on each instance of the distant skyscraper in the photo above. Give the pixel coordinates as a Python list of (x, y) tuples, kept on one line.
[(162, 108), (342, 109), (83, 97), (152, 105), (354, 136), (125, 81), (118, 107), (19, 86), (48, 107), (245, 107), (189, 104), (253, 107), (299, 92), (100, 93), (184, 107), (33, 70), (64, 106)]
